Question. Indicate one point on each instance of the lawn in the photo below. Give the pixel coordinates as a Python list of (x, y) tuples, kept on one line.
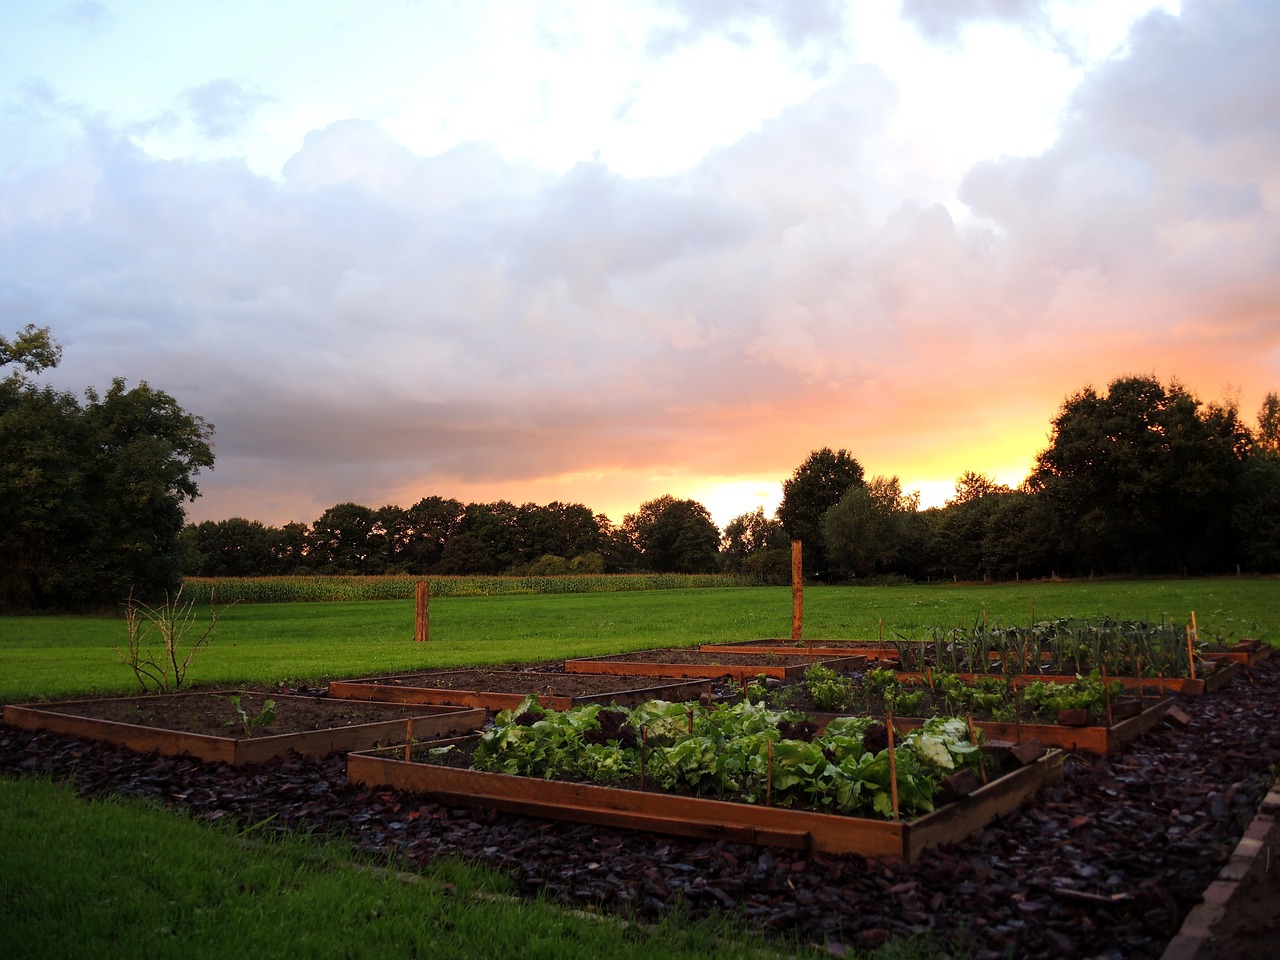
[(50, 656)]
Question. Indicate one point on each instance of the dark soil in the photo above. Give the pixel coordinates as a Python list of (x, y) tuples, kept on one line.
[(526, 682), (1104, 864), (681, 655), (212, 714)]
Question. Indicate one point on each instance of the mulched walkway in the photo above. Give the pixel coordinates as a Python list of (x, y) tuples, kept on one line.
[(1104, 864)]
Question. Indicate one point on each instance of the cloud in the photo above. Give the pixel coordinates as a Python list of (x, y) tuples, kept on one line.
[(821, 22), (942, 21), (222, 107), (377, 325)]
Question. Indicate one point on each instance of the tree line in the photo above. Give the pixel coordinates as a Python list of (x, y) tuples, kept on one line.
[(1143, 479), (1140, 479)]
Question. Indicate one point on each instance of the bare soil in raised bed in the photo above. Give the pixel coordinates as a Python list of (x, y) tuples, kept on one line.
[(212, 714), (527, 682), (700, 657), (1104, 864)]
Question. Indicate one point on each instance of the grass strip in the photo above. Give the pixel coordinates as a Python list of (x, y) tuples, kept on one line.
[(125, 878)]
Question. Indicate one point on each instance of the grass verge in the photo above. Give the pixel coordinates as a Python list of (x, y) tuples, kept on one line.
[(124, 878)]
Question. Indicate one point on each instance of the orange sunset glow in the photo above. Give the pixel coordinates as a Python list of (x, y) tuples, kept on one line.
[(564, 253)]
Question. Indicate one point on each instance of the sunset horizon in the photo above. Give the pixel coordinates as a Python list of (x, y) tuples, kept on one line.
[(567, 253)]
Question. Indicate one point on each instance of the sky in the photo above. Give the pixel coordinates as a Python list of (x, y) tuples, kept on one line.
[(565, 250)]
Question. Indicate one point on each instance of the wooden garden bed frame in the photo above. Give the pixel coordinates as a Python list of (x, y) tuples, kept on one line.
[(1088, 739), (702, 818), (416, 689), (433, 722), (634, 663)]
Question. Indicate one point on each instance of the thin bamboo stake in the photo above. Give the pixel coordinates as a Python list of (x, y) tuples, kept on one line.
[(973, 738), (1191, 653), (1017, 714), (768, 782), (408, 738), (1106, 697), (644, 752), (893, 765)]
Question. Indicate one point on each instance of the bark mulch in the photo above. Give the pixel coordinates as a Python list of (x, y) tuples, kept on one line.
[(1104, 864)]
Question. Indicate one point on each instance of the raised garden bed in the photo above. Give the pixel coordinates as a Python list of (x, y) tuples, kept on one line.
[(205, 725), (502, 689), (1083, 738), (1217, 676), (706, 818), (871, 649), (1247, 652), (681, 662)]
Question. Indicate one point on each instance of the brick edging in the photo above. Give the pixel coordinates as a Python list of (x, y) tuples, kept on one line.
[(1197, 927)]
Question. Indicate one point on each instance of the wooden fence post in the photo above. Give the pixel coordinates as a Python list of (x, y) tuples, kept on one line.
[(797, 590), (422, 619)]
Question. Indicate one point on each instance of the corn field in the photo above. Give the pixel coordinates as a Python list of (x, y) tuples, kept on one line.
[(225, 590)]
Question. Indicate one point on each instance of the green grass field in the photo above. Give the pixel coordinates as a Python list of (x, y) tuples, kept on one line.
[(50, 656)]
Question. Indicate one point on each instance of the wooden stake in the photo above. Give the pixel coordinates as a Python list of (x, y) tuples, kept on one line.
[(422, 618), (768, 783), (644, 752), (973, 738), (797, 590), (1017, 714), (1106, 697), (880, 632), (1191, 652), (408, 738), (893, 765)]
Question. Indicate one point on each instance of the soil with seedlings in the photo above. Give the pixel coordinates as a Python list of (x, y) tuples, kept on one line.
[(1105, 863)]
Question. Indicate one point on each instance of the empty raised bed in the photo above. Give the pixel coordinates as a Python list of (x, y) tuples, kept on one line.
[(871, 649), (206, 724), (681, 662), (501, 689)]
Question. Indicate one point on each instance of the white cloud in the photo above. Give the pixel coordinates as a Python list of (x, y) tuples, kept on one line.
[(375, 318)]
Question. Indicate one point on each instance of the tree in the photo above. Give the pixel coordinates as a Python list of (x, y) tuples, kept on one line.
[(868, 529), (33, 349), (756, 546), (228, 548), (815, 487), (972, 485), (426, 528), (341, 539), (1140, 479), (1256, 512), (91, 493), (1268, 435), (674, 536)]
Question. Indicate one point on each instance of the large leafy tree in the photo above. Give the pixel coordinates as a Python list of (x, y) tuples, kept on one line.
[(756, 545), (1140, 478), (674, 536), (343, 539), (869, 528), (815, 487), (229, 548), (92, 492)]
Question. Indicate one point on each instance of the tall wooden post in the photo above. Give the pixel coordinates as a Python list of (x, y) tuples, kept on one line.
[(422, 619), (797, 591)]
